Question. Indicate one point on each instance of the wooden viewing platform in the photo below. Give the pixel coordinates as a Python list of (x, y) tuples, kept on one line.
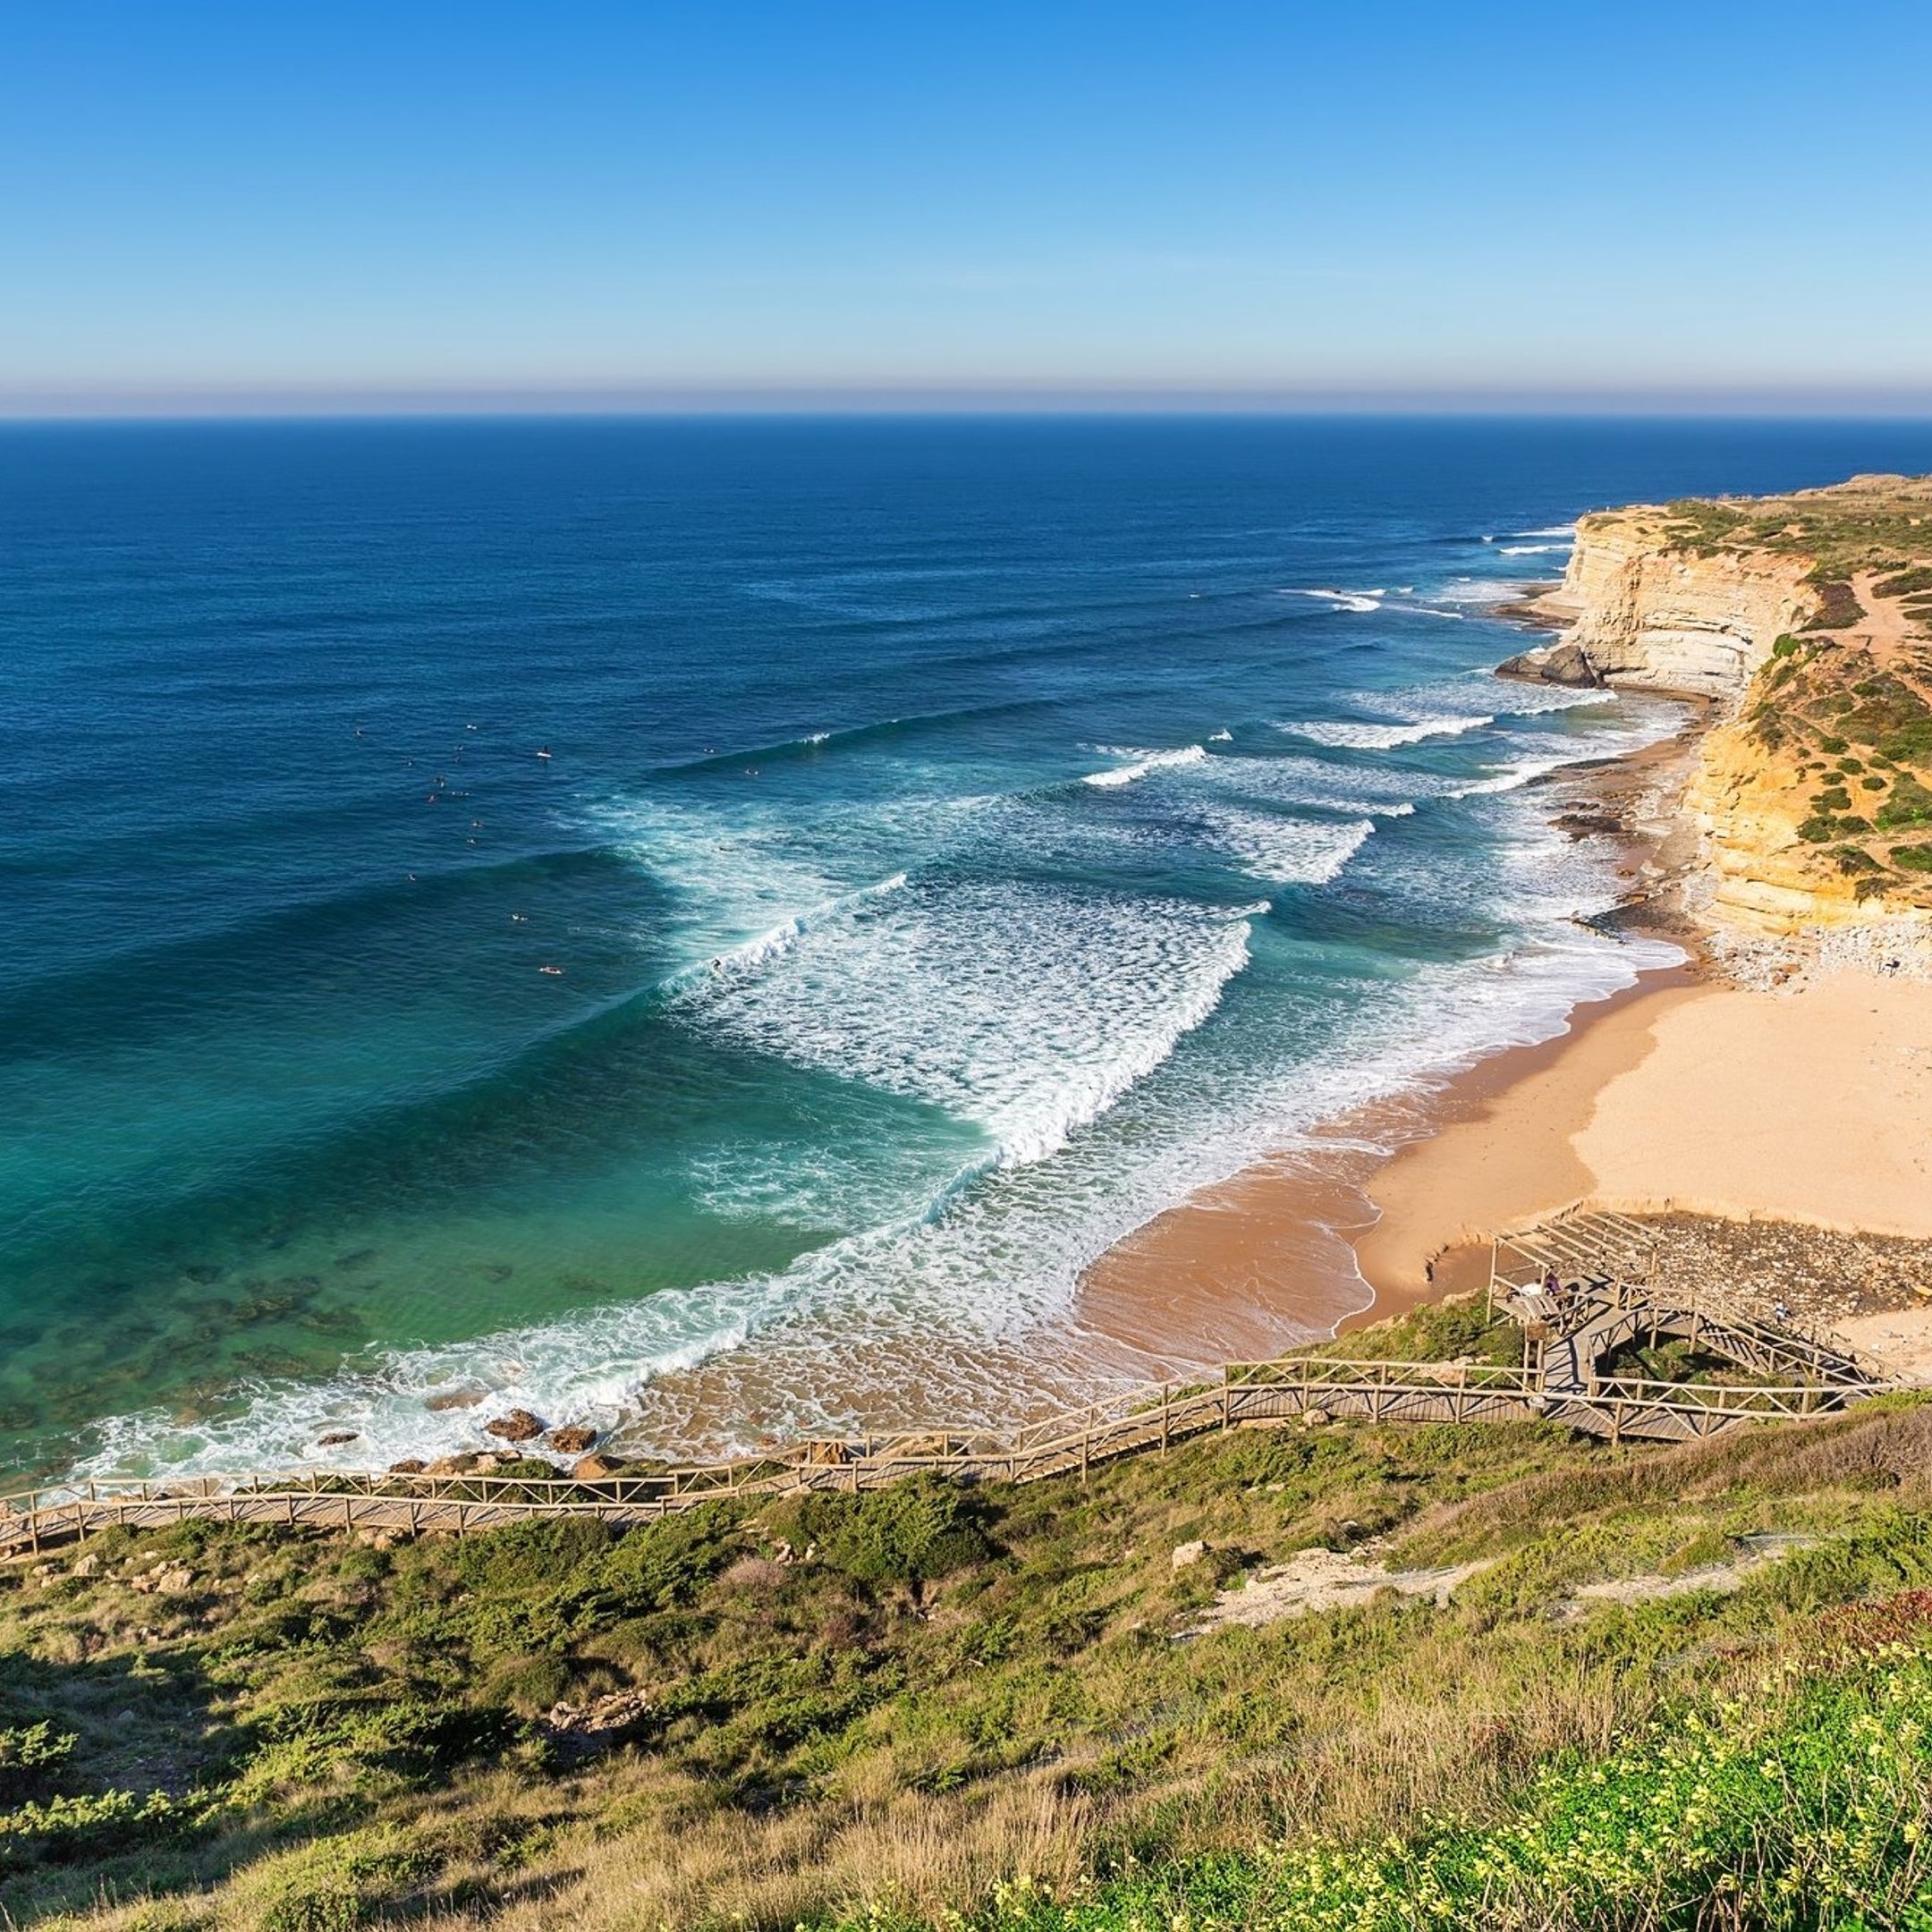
[(1567, 1338)]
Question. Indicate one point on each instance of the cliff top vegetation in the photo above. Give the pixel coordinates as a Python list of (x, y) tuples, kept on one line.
[(1661, 1675)]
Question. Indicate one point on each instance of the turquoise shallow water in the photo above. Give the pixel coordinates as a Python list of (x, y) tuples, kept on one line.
[(957, 839)]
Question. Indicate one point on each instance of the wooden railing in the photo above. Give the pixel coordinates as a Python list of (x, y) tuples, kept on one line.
[(1248, 1395)]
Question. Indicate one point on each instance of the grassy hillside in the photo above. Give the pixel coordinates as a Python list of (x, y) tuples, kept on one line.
[(883, 1709)]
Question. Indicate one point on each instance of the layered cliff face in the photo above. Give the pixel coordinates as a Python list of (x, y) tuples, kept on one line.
[(1650, 616), (1806, 620)]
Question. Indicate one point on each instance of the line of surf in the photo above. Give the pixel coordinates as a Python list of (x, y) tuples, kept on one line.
[(1144, 763), (748, 954), (1365, 736)]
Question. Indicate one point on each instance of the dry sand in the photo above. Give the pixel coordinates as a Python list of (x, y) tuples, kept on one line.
[(1900, 1339), (1812, 1103)]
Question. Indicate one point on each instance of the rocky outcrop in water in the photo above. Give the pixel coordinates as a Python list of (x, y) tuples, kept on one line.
[(1552, 663)]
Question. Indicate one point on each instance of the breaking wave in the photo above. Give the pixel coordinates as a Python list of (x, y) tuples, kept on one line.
[(1362, 601), (1386, 737), (1144, 763)]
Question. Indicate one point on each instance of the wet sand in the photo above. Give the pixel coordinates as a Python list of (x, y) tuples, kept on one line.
[(1298, 1246), (1811, 1105)]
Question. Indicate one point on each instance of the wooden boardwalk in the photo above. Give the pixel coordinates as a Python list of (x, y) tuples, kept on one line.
[(1567, 1339)]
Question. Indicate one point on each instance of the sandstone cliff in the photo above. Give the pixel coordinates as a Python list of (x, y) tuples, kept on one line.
[(1806, 620), (1650, 616)]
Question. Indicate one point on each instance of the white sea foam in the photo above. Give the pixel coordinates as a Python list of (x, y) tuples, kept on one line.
[(1286, 851), (1144, 763), (1348, 600), (588, 1365), (1475, 591), (762, 948), (1517, 697), (1338, 787), (1512, 776), (1550, 529), (1532, 550), (1386, 737), (727, 878), (1026, 1009), (1220, 737)]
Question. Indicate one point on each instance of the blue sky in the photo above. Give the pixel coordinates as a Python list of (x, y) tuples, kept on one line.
[(270, 204)]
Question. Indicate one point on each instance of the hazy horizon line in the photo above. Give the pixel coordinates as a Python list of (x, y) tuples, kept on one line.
[(286, 400)]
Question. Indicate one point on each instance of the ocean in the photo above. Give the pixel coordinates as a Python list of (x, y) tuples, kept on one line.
[(544, 909)]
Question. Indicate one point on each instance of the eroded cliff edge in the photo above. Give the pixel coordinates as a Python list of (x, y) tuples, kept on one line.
[(1805, 622)]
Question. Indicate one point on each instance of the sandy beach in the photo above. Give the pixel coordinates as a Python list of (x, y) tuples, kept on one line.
[(1766, 1080), (1811, 1105)]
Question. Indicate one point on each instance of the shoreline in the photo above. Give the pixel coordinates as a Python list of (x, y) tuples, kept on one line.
[(1662, 1098), (1207, 1269)]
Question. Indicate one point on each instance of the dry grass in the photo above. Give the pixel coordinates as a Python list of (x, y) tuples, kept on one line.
[(824, 1735)]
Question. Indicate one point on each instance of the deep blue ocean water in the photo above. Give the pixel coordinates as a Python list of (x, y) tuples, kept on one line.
[(956, 839)]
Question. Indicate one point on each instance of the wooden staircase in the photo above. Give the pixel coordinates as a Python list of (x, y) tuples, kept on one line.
[(1603, 1304)]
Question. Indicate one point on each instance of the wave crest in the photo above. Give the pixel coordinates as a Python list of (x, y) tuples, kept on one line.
[(1368, 737), (1126, 774)]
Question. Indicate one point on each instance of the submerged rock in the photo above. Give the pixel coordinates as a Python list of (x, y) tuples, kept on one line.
[(462, 1398), (518, 1426)]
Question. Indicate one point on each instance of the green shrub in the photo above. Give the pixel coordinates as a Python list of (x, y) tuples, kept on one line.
[(662, 1564), (1837, 605), (338, 1886), (536, 1556), (74, 1826), (1918, 578), (30, 1757), (914, 1532), (1909, 804), (366, 1740), (1912, 858)]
